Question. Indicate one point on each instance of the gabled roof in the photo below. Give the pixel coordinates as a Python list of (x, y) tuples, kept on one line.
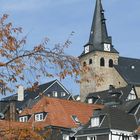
[(114, 119), (129, 69), (30, 97), (60, 112), (130, 105), (115, 95), (119, 119), (31, 94)]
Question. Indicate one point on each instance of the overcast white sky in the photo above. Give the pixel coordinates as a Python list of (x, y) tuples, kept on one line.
[(56, 19)]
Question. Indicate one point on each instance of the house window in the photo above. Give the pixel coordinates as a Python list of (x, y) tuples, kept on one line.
[(110, 63), (75, 119), (23, 119), (102, 62), (63, 94), (90, 101), (90, 61), (55, 93), (95, 122), (125, 138), (91, 138), (132, 95), (39, 117), (65, 137)]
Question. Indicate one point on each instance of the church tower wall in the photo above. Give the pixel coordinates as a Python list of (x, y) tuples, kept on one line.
[(97, 77), (99, 56)]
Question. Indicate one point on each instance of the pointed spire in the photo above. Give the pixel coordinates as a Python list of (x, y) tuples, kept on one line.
[(98, 33), (99, 39)]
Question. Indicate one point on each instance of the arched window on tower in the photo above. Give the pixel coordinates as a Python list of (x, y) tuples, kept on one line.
[(84, 64), (110, 63), (102, 62), (90, 61)]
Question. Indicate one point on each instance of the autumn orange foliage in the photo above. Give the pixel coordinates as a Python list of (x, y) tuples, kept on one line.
[(29, 64)]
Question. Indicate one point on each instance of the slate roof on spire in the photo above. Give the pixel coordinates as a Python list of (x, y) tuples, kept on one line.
[(98, 33)]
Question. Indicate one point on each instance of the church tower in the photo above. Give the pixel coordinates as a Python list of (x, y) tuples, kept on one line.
[(99, 56)]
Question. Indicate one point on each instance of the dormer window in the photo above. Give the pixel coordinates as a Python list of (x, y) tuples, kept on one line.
[(75, 119), (90, 101), (95, 122), (131, 95), (65, 137), (55, 94), (23, 119), (40, 116), (63, 94)]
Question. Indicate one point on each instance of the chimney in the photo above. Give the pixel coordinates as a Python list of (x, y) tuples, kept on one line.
[(20, 93)]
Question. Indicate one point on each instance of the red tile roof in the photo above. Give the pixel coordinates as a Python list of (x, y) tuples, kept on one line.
[(60, 112)]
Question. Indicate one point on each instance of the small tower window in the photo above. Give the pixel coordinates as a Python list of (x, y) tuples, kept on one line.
[(90, 61), (102, 62), (84, 64), (110, 63)]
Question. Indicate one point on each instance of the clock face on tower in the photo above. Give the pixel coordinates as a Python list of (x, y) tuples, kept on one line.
[(86, 49), (107, 47)]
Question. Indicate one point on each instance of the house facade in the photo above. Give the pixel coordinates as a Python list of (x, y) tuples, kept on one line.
[(11, 106), (62, 117), (110, 124)]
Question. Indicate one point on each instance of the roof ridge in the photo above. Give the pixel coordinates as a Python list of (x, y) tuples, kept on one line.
[(129, 58)]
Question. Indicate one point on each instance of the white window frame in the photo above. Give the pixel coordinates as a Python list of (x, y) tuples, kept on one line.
[(132, 95), (39, 117), (55, 94), (90, 101), (92, 138), (65, 137), (63, 94), (95, 122), (23, 119)]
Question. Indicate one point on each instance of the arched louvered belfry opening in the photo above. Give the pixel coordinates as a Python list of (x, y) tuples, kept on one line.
[(110, 63), (102, 62), (90, 61), (84, 64)]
